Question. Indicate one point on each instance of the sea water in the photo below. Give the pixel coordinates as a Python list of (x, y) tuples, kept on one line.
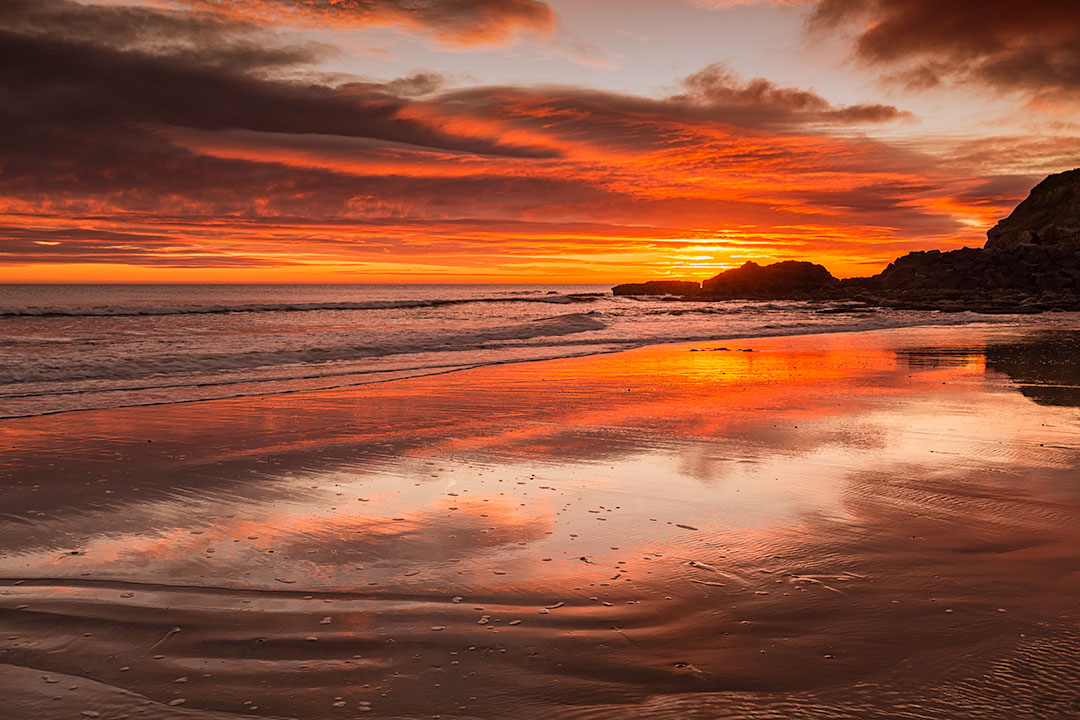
[(71, 347)]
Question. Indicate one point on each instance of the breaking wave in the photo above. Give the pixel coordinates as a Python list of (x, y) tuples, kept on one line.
[(158, 310), (87, 347)]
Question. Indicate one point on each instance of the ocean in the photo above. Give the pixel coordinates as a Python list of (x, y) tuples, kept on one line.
[(75, 347)]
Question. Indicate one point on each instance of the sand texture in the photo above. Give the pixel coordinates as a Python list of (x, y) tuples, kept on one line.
[(867, 525)]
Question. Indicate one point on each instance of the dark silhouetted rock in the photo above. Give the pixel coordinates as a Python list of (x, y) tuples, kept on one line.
[(1025, 278), (1031, 263), (1049, 216), (658, 287), (783, 280)]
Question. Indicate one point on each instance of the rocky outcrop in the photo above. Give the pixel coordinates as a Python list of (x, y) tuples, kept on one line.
[(1031, 263), (658, 287), (1025, 278), (1049, 216), (780, 281)]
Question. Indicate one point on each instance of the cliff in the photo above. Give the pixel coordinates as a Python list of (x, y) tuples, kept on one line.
[(1031, 262), (1049, 216), (1017, 279)]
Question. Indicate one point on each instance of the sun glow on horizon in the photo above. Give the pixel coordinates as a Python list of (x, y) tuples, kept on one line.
[(323, 155)]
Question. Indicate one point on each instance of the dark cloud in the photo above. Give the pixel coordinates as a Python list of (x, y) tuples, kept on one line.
[(870, 199), (121, 26), (83, 86), (86, 93), (150, 136), (712, 95), (1009, 45), (85, 246), (456, 22), (90, 91), (720, 90), (716, 123), (421, 83)]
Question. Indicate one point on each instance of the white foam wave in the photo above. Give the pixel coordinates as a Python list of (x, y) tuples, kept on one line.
[(129, 368), (218, 309)]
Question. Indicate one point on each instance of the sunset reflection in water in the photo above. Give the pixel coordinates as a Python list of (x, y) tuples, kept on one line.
[(691, 528)]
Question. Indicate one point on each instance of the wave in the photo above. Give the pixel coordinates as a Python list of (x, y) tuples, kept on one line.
[(231, 390), (128, 368), (183, 390), (198, 374), (159, 310)]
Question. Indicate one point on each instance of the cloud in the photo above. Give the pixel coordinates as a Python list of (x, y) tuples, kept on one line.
[(453, 22), (723, 4), (717, 87), (112, 77), (154, 138), (1003, 44)]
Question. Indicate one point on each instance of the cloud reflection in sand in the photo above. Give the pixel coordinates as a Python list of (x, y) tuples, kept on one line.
[(664, 522)]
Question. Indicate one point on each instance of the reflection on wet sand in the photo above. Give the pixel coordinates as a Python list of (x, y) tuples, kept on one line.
[(1045, 366), (832, 526)]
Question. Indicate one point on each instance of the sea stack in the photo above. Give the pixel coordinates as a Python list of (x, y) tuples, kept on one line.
[(790, 279)]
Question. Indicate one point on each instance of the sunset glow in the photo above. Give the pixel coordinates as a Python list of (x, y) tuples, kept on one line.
[(524, 141), (539, 359)]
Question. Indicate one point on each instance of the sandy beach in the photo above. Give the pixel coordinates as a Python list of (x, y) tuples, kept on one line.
[(862, 525)]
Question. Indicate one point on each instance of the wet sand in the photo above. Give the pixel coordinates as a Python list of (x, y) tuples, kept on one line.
[(873, 525)]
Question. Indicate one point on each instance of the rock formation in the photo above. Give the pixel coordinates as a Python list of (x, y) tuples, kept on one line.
[(1019, 279), (1031, 262), (1049, 216), (783, 280), (658, 287)]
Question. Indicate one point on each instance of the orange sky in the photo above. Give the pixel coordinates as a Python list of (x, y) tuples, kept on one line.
[(519, 141)]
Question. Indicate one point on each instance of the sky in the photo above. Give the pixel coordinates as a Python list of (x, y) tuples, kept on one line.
[(551, 141)]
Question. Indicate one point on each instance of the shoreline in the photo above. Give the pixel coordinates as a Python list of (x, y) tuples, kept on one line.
[(950, 319), (822, 525)]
